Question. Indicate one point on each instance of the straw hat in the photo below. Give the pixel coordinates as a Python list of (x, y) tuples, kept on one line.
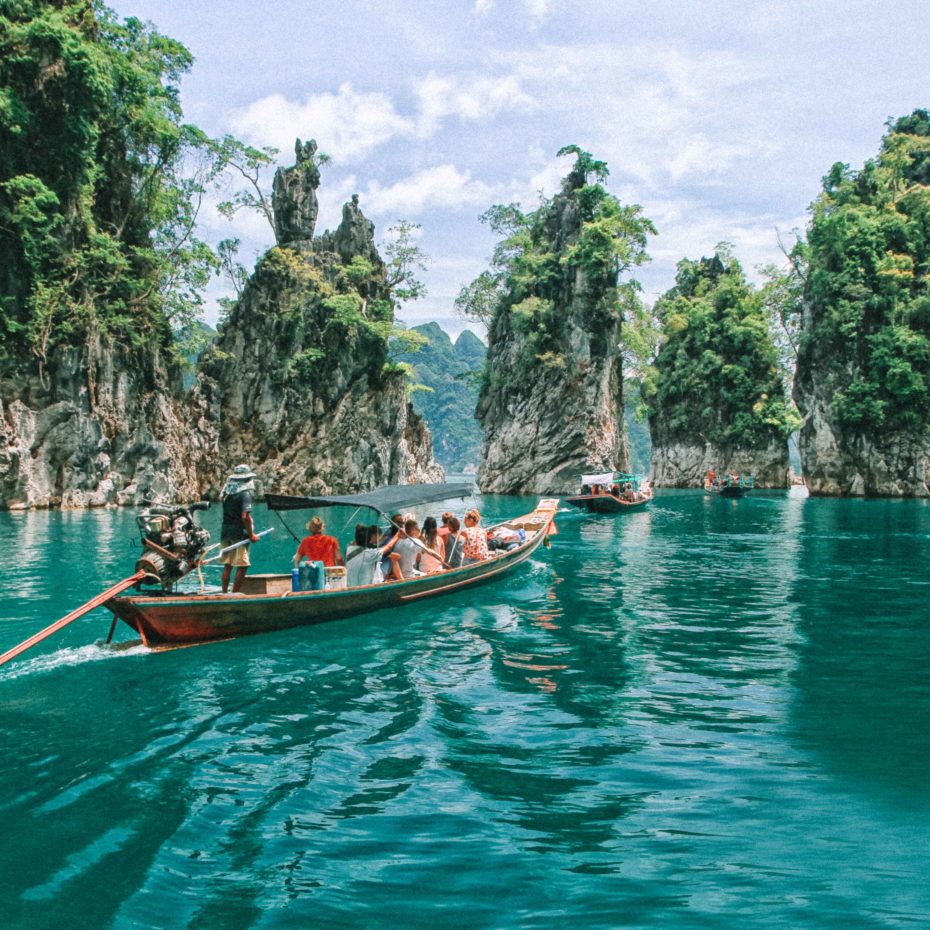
[(241, 473)]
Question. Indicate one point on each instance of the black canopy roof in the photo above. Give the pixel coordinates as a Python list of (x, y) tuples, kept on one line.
[(387, 500)]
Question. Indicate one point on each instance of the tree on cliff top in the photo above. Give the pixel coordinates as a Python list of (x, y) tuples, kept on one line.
[(866, 338), (535, 265), (100, 181), (716, 378)]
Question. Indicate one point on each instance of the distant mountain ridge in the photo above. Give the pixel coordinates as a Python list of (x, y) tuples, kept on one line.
[(449, 371)]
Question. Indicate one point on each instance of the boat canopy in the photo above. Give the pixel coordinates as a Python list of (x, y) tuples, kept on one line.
[(610, 477), (606, 478), (387, 500)]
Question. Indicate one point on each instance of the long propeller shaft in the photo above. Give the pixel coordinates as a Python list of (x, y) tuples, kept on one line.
[(70, 618)]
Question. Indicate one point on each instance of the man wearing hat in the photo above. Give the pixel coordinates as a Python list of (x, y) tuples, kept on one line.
[(319, 547), (237, 524)]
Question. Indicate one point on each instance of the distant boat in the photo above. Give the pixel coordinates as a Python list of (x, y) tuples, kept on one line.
[(612, 492), (728, 485)]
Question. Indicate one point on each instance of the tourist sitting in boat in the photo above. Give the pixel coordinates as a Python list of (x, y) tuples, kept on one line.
[(454, 543), (363, 560), (443, 529), (475, 545), (504, 538), (394, 527), (407, 548), (430, 557), (318, 547)]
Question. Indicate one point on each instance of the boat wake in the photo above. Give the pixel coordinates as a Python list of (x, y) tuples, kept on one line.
[(78, 655)]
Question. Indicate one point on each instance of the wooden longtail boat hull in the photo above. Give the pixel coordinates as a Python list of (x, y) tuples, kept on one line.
[(729, 490), (606, 503), (179, 619)]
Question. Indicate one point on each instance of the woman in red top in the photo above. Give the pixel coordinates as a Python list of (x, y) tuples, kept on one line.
[(318, 547)]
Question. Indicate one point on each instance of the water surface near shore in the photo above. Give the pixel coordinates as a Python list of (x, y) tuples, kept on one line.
[(709, 714)]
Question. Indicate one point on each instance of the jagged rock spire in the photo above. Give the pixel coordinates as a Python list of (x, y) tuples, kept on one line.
[(293, 196)]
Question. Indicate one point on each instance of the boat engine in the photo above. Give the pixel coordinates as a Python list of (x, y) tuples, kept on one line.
[(172, 541)]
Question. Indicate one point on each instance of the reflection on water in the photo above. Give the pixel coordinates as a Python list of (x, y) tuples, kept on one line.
[(707, 714), (861, 682)]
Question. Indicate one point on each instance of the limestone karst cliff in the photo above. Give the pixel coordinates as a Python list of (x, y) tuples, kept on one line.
[(863, 376), (551, 405), (101, 426), (716, 396), (299, 381), (96, 259)]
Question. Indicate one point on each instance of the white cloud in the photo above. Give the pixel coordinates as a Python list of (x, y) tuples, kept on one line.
[(347, 125), (657, 113), (437, 187), (538, 9), (468, 98), (689, 228)]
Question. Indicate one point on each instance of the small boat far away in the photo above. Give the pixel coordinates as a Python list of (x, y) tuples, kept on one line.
[(728, 485), (612, 492)]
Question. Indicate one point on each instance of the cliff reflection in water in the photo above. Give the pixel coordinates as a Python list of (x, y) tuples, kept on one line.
[(860, 703)]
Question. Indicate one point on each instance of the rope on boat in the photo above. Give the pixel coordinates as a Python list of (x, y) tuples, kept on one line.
[(277, 513)]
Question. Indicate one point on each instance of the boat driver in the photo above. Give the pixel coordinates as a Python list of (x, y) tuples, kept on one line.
[(237, 524)]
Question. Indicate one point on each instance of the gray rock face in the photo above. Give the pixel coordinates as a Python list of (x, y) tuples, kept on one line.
[(543, 429), (293, 197), (104, 429), (677, 465), (838, 465), (541, 436)]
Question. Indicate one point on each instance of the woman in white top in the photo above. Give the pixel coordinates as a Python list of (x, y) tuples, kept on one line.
[(363, 564)]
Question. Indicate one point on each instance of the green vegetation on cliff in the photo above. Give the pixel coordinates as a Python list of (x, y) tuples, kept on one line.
[(716, 378), (535, 268), (446, 372), (865, 345), (100, 181)]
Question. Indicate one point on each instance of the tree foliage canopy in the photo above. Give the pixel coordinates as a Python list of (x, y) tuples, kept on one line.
[(100, 180), (867, 332), (716, 376)]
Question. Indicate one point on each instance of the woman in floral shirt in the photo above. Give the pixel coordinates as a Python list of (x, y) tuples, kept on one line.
[(475, 538)]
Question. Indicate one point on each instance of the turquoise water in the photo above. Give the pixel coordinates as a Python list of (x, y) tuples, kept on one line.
[(710, 714)]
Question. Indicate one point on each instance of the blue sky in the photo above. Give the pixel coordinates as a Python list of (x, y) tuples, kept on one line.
[(719, 118)]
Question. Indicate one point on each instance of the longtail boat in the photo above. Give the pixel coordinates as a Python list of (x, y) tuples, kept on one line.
[(612, 492), (267, 602), (728, 485)]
